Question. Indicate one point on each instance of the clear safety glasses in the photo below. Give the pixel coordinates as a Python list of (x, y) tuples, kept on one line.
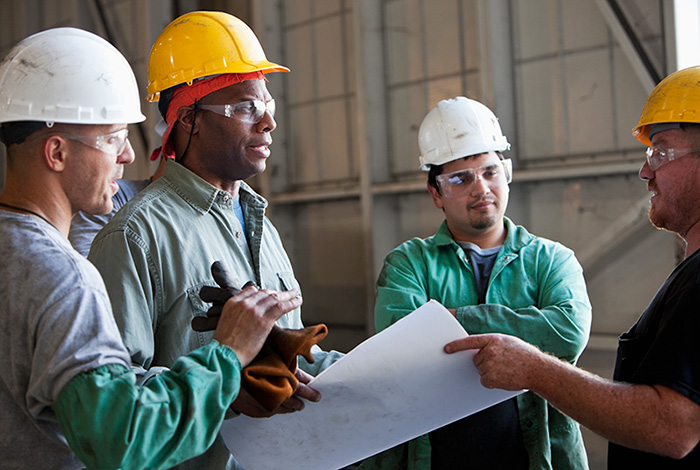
[(251, 111), (657, 157), (113, 143), (459, 183)]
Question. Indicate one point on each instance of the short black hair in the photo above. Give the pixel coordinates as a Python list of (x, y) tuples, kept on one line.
[(164, 100), (17, 132)]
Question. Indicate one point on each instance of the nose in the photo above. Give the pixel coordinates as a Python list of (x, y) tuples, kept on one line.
[(127, 156), (645, 172), (267, 123), (480, 186)]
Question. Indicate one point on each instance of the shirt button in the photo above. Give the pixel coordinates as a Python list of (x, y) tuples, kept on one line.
[(238, 234)]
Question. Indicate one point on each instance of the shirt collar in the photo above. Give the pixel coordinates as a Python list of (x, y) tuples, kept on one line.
[(515, 236), (199, 193)]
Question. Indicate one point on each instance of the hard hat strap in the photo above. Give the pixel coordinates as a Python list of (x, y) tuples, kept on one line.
[(189, 138)]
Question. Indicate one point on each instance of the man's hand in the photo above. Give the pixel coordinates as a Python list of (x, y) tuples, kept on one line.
[(294, 403), (504, 362), (247, 318), (247, 405)]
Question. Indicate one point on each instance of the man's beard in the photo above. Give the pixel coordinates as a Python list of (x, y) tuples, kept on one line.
[(484, 222), (655, 219), (669, 222)]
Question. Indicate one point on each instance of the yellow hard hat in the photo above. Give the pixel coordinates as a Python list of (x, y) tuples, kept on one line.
[(204, 43), (675, 99)]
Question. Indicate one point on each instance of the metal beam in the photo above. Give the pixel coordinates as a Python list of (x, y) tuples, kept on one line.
[(629, 44), (367, 39), (626, 223), (352, 191), (111, 37)]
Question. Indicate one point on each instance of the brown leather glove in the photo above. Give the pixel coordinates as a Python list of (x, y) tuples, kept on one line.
[(270, 378)]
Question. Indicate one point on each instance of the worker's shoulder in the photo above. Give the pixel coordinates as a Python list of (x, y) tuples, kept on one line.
[(520, 236), (145, 208)]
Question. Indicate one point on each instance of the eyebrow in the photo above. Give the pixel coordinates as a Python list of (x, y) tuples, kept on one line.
[(250, 98), (484, 166)]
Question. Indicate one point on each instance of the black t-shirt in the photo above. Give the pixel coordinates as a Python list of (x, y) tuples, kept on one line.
[(488, 440), (662, 348), (482, 261)]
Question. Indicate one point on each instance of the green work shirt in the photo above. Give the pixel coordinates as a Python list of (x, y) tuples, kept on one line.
[(156, 254), (536, 292)]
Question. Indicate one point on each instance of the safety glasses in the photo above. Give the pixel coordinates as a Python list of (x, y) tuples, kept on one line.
[(113, 143), (657, 157), (251, 111), (459, 183)]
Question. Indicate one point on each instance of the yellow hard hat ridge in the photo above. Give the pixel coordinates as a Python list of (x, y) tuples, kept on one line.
[(675, 99), (201, 44)]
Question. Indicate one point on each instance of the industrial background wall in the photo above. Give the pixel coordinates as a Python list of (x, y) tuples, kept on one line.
[(567, 79)]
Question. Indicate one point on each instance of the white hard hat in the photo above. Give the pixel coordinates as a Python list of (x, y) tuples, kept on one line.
[(68, 75), (458, 128)]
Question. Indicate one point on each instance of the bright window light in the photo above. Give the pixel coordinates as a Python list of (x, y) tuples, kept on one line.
[(687, 23)]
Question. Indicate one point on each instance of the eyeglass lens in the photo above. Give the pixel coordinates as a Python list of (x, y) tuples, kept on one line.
[(252, 111), (113, 143), (460, 182), (657, 157)]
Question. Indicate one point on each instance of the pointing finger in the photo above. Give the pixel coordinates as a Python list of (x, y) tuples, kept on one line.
[(470, 342)]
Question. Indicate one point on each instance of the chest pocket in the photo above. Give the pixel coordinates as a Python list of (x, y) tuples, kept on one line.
[(288, 281), (631, 351), (197, 307), (281, 281), (285, 281)]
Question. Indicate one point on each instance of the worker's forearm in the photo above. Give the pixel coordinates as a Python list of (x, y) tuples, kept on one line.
[(635, 416), (111, 422)]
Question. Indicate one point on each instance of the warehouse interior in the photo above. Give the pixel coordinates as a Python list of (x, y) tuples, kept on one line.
[(567, 80)]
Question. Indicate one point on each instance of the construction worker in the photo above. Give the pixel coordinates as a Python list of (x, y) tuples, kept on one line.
[(493, 276), (66, 97), (85, 226), (207, 72), (650, 412)]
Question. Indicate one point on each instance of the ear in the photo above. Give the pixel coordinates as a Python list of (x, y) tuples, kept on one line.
[(437, 198), (56, 151), (186, 118)]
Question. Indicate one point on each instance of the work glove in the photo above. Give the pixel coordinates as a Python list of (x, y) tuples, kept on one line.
[(270, 377), (218, 296)]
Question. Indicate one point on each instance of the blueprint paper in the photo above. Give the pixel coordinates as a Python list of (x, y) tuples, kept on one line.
[(395, 386)]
